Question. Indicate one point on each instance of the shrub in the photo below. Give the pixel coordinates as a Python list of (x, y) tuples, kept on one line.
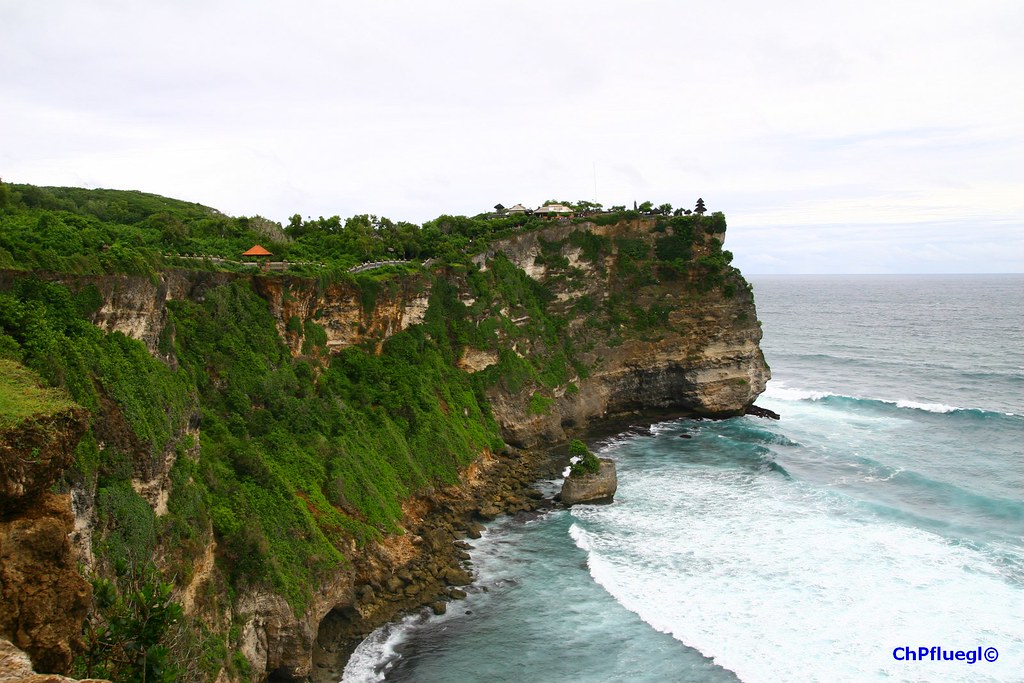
[(582, 460), (128, 527), (126, 635), (674, 247), (592, 247), (540, 404)]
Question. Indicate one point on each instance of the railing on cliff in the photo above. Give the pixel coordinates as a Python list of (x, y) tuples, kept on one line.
[(267, 265), (285, 265), (377, 264)]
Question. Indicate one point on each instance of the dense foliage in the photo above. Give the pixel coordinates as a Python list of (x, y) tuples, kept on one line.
[(74, 230), (298, 455), (136, 403), (96, 231), (126, 636), (44, 325)]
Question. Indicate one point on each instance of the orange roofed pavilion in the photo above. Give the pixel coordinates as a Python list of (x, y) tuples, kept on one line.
[(257, 250)]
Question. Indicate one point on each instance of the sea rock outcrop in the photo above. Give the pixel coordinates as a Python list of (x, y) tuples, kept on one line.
[(591, 487)]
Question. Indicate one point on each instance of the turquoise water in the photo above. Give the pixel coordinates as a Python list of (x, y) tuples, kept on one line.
[(885, 510)]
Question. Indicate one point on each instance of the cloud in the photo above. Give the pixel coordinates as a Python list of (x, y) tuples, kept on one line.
[(794, 113)]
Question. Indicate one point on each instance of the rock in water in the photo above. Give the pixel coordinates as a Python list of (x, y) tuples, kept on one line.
[(585, 488), (758, 411)]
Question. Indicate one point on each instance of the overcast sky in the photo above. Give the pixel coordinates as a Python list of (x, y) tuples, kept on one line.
[(839, 136)]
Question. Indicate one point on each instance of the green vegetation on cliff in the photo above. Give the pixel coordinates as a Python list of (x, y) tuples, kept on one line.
[(21, 395), (291, 448), (284, 458), (44, 325), (296, 455), (300, 454), (74, 230), (127, 633)]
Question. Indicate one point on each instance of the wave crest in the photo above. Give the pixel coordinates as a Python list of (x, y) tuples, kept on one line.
[(792, 394)]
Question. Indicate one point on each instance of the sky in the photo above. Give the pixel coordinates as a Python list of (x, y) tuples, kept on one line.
[(837, 137)]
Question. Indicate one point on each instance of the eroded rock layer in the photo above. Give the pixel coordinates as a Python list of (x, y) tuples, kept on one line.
[(43, 596)]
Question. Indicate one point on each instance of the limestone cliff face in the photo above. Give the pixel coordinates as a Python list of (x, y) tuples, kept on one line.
[(136, 306), (702, 360), (16, 667), (347, 315)]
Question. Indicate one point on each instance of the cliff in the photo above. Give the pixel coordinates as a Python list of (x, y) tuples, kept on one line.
[(302, 455), (649, 337), (43, 595)]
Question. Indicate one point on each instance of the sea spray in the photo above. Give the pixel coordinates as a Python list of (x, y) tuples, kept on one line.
[(815, 589)]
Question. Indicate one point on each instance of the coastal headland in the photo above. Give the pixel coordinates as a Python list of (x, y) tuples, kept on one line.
[(280, 459)]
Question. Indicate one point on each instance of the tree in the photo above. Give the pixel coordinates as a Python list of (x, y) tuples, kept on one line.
[(700, 208), (126, 636), (665, 209), (583, 206), (646, 207)]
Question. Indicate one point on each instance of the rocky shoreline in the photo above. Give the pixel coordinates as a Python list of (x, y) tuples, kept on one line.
[(440, 566)]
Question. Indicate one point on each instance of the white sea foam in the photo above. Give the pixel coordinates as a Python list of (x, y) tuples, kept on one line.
[(871, 478), (929, 407), (781, 392), (659, 428), (373, 657), (812, 592)]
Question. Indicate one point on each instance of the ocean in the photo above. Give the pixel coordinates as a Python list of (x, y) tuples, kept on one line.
[(875, 532)]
